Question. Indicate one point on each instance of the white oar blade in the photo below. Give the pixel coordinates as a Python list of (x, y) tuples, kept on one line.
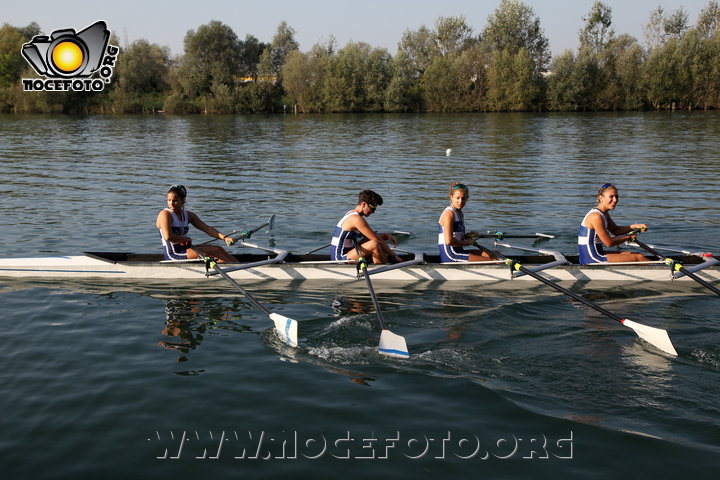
[(654, 336), (393, 345), (271, 223), (286, 329)]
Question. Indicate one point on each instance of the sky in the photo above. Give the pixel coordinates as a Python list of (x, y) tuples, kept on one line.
[(378, 23)]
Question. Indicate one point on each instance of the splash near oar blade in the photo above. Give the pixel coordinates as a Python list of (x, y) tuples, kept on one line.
[(392, 345), (286, 329), (656, 337)]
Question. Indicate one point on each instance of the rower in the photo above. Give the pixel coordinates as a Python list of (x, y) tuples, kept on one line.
[(452, 237), (353, 225), (596, 229), (174, 223)]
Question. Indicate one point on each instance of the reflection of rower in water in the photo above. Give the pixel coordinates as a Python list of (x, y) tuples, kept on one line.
[(188, 319), (179, 314)]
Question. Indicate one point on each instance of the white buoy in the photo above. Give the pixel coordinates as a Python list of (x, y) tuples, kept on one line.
[(448, 152)]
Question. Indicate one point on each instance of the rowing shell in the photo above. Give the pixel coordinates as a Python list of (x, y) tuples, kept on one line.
[(283, 265)]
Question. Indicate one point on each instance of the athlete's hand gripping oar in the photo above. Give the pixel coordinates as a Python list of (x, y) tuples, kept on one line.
[(391, 344), (677, 266), (285, 327), (654, 336)]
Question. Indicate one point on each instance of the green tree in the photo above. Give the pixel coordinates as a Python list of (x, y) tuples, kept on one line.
[(712, 91), (708, 23), (212, 58), (12, 64), (598, 31), (140, 80), (257, 97), (440, 86), (418, 48), (511, 82), (623, 63), (304, 76), (471, 70), (282, 44), (654, 29), (562, 93), (403, 92), (661, 28), (697, 58), (250, 51), (664, 78), (456, 82), (452, 34), (357, 79), (676, 24), (513, 26)]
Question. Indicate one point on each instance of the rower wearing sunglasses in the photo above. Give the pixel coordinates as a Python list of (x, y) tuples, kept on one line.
[(452, 237), (597, 229), (354, 226)]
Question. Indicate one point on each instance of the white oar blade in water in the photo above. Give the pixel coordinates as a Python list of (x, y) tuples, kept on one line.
[(393, 345), (286, 329), (654, 336)]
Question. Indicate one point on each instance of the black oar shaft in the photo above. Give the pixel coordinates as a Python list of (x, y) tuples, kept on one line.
[(682, 269), (260, 227), (554, 285), (570, 293), (373, 297), (247, 294), (508, 235), (376, 304)]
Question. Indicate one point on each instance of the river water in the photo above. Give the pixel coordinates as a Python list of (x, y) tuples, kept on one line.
[(128, 380)]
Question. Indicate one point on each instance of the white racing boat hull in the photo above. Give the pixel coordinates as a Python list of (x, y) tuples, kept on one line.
[(147, 266)]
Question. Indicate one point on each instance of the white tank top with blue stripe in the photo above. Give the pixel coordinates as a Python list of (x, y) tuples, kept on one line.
[(341, 241), (589, 244), (174, 251), (449, 253)]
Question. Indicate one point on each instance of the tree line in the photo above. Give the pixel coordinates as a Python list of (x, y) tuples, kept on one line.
[(447, 68)]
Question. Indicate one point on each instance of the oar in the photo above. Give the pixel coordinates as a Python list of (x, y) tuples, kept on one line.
[(285, 327), (247, 233), (675, 265), (654, 336), (391, 344), (503, 235)]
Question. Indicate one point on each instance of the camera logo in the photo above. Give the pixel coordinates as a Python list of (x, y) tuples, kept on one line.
[(68, 59)]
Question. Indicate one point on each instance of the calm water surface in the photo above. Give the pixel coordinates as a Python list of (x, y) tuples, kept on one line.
[(108, 380)]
